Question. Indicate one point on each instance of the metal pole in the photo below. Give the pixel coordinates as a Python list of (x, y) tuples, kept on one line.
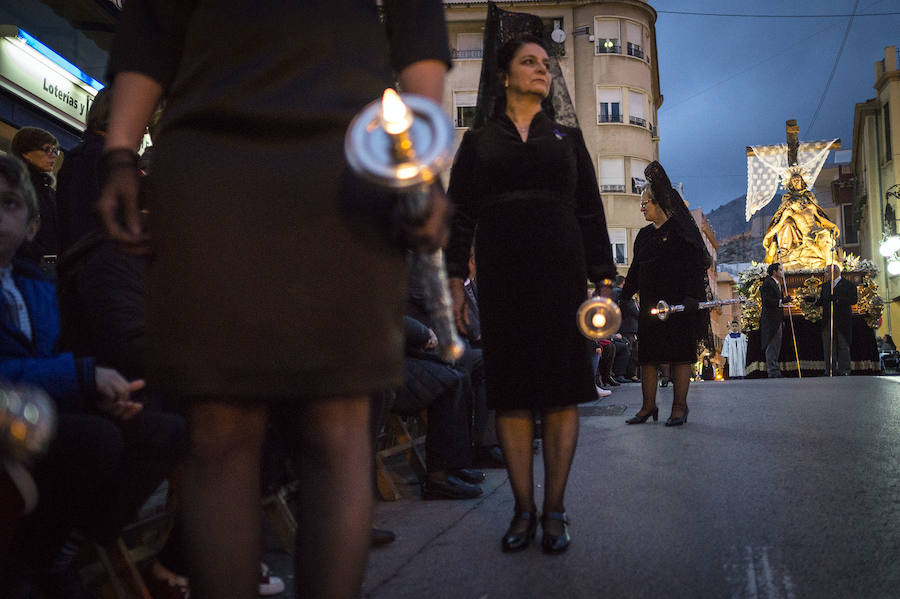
[(790, 316), (831, 311)]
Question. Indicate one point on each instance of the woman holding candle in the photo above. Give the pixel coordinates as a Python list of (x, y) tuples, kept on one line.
[(261, 240), (670, 262), (525, 188)]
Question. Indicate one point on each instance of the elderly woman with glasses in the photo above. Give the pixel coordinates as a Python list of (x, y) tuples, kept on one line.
[(39, 150), (670, 262)]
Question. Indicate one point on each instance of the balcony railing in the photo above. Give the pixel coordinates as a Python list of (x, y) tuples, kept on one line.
[(636, 120), (609, 118), (654, 132), (617, 188), (635, 51), (466, 54)]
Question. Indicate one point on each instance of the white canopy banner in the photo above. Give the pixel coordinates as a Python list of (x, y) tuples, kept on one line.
[(767, 165)]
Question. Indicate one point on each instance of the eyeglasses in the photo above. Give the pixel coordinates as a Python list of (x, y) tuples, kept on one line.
[(50, 150)]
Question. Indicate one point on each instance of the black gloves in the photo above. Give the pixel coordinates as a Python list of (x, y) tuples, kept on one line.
[(690, 305)]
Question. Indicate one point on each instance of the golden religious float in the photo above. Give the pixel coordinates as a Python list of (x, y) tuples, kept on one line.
[(804, 240)]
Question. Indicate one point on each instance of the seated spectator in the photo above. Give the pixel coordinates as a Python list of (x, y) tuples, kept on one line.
[(486, 446), (108, 455), (626, 368), (39, 150), (707, 371), (444, 391)]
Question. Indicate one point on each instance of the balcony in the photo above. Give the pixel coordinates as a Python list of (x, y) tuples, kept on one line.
[(635, 50), (654, 132), (636, 120), (612, 188), (609, 118), (466, 54)]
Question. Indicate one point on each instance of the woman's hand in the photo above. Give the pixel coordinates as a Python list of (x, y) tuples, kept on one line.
[(460, 309), (118, 203)]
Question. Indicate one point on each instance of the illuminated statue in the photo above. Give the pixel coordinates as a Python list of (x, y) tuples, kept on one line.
[(800, 229)]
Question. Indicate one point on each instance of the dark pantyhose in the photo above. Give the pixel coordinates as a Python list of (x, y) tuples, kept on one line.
[(681, 380), (515, 430), (332, 454)]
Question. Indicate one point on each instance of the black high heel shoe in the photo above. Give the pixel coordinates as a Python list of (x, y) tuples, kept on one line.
[(672, 421), (638, 419), (555, 543), (517, 541)]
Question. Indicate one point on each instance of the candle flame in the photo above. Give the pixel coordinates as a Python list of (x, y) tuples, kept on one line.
[(395, 116), (598, 320), (407, 171), (654, 311)]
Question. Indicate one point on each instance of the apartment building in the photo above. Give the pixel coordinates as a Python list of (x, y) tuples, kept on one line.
[(608, 60), (876, 167)]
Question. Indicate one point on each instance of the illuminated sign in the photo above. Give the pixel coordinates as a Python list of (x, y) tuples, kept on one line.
[(35, 73)]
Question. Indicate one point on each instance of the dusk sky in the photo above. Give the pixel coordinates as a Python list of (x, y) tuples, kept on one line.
[(731, 81)]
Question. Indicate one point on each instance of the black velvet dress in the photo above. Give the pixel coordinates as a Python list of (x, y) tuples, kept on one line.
[(666, 267), (534, 208), (274, 275)]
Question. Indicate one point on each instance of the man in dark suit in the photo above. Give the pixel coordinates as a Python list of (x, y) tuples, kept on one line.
[(771, 318), (842, 294)]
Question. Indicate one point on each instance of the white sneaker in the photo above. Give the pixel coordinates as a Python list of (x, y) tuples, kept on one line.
[(601, 392), (268, 584)]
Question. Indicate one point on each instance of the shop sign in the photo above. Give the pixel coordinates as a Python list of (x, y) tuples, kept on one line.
[(40, 81)]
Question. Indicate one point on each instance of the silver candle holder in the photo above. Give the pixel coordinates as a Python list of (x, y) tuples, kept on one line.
[(404, 143)]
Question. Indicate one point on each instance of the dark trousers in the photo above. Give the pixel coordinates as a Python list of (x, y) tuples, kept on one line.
[(632, 368), (444, 391), (484, 430), (622, 359), (841, 347), (96, 475), (773, 349)]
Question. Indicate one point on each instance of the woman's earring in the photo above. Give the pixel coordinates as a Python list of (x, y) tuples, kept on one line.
[(506, 82)]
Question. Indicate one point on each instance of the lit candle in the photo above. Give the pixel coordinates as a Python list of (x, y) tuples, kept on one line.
[(598, 320), (397, 119)]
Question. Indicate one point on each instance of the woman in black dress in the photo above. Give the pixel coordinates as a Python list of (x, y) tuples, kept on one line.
[(525, 188), (261, 240), (670, 262)]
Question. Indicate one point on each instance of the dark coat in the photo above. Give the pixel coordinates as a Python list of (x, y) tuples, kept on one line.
[(666, 267), (535, 211), (630, 311), (843, 296), (46, 242), (102, 298), (771, 312), (77, 190), (64, 377)]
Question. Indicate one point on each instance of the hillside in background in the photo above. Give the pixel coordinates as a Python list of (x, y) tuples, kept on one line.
[(736, 244)]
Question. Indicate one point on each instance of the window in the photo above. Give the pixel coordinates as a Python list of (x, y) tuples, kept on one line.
[(464, 103), (850, 232), (634, 34), (637, 174), (606, 34), (612, 175), (618, 241), (636, 108), (468, 46), (609, 102), (887, 132)]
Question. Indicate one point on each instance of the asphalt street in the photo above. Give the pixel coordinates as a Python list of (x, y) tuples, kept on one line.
[(780, 488)]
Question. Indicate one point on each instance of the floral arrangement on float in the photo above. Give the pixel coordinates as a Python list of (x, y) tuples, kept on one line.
[(870, 304)]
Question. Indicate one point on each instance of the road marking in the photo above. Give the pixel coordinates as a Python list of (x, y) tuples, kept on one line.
[(752, 575)]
